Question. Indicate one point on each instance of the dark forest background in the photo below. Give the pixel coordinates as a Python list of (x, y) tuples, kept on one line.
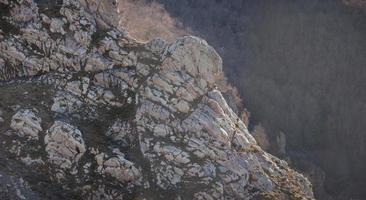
[(300, 68)]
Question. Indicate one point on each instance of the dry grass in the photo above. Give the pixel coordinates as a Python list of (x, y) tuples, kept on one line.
[(145, 21)]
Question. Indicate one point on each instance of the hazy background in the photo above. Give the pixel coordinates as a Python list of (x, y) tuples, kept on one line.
[(300, 68)]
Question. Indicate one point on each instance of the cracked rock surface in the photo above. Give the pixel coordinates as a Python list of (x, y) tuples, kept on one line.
[(64, 144), (87, 112), (26, 124)]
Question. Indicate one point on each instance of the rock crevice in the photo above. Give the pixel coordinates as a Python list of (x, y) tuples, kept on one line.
[(123, 119)]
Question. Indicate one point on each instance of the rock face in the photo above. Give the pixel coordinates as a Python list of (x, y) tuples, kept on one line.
[(64, 144), (119, 168), (26, 124), (123, 119)]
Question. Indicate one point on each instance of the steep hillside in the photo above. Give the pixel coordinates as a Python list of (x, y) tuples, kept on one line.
[(300, 69), (87, 112)]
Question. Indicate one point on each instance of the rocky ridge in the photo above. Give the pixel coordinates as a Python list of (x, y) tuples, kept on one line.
[(98, 115)]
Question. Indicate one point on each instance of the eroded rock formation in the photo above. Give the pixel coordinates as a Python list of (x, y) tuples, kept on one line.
[(97, 115)]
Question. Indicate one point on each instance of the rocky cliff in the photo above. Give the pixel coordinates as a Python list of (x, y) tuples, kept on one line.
[(87, 112)]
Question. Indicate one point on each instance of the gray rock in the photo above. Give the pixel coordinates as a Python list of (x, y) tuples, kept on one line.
[(157, 46), (66, 103), (153, 117), (196, 57), (56, 26), (64, 144), (119, 168), (97, 63), (26, 124)]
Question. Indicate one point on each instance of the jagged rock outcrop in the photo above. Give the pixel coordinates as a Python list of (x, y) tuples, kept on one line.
[(26, 124), (64, 144), (119, 119)]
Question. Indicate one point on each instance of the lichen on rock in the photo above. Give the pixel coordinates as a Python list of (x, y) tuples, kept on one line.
[(26, 124), (64, 144), (127, 119)]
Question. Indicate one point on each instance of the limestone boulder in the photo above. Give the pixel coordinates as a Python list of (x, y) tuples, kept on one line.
[(26, 124), (64, 144)]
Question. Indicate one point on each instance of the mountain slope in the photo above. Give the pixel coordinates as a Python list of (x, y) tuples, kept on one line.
[(87, 112)]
